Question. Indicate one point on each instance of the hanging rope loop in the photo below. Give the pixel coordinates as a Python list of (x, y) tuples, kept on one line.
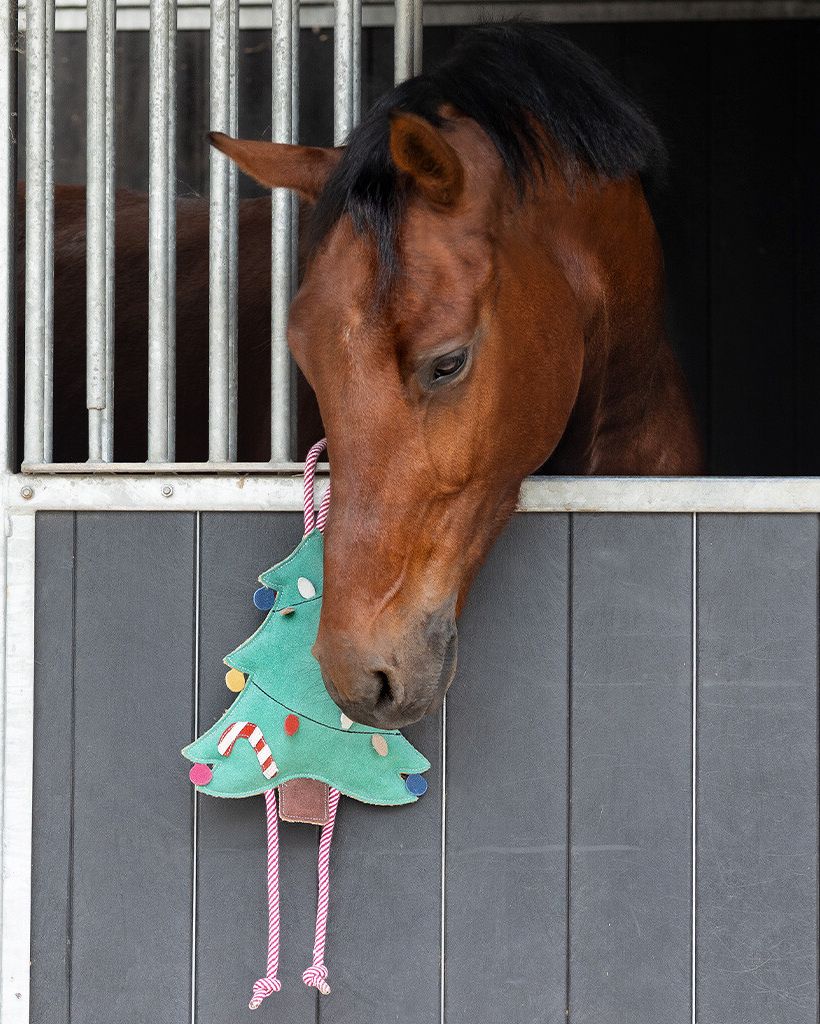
[(312, 520)]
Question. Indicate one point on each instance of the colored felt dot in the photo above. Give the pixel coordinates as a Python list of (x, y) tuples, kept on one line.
[(346, 722), (416, 784), (305, 588), (292, 725), (235, 680), (264, 598), (200, 775), (287, 611), (379, 744)]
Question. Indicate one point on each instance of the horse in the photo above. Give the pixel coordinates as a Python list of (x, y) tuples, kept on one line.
[(483, 296)]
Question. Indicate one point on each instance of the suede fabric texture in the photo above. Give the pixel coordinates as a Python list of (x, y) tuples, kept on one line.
[(283, 678)]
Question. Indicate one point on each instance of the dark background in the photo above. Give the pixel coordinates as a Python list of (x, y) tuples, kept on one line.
[(739, 106)]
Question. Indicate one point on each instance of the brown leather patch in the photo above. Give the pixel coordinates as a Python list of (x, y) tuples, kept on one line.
[(304, 800)]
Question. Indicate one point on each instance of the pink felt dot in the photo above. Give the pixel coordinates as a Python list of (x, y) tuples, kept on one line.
[(200, 775)]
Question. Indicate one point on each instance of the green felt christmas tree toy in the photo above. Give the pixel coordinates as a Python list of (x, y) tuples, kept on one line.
[(294, 731)]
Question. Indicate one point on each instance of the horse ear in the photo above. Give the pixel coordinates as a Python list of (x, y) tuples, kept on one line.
[(420, 150), (305, 169)]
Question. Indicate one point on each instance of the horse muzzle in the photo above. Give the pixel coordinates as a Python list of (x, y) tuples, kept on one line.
[(390, 685)]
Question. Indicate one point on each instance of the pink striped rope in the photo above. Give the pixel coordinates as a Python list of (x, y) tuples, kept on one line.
[(270, 983), (253, 734), (316, 975), (311, 519)]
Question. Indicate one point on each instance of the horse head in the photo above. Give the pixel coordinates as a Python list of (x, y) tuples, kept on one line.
[(442, 322)]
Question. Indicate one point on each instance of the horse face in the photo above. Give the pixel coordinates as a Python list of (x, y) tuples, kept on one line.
[(438, 396)]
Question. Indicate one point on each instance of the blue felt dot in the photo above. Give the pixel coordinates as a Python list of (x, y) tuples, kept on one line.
[(264, 599), (416, 784)]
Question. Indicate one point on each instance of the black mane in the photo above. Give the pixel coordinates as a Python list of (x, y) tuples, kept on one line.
[(502, 76)]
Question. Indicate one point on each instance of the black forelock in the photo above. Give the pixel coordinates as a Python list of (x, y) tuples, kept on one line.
[(527, 87)]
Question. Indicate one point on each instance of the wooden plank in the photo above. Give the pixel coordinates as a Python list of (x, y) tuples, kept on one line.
[(53, 783), (753, 228), (506, 861), (131, 856), (630, 761), (757, 779), (383, 949), (231, 939)]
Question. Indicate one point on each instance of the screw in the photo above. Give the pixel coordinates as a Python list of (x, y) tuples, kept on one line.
[(27, 492), (167, 491)]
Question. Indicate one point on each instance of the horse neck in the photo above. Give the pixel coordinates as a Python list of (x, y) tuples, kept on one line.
[(633, 414)]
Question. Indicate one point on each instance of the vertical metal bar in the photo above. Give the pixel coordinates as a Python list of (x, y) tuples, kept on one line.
[(100, 32), (159, 187), (233, 241), (222, 290), (38, 259), (407, 39), (48, 244), (172, 229), (346, 68), (8, 236), (284, 41)]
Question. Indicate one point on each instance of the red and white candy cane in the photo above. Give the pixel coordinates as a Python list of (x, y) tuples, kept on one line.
[(253, 734), (312, 519)]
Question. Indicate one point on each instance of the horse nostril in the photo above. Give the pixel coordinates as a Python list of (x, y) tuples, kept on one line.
[(385, 697)]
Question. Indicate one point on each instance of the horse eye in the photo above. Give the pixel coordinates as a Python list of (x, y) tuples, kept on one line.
[(449, 365)]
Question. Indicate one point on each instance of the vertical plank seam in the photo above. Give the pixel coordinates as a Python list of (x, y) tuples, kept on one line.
[(72, 782), (694, 793), (568, 880), (443, 895), (197, 552)]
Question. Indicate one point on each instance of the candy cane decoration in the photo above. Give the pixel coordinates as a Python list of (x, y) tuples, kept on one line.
[(253, 734)]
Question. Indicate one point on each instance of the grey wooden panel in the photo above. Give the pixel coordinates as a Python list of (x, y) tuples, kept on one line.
[(383, 948), (507, 786), (131, 857), (231, 943), (631, 673), (53, 742), (757, 777)]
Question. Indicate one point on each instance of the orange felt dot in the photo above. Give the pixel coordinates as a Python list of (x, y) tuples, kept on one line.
[(292, 725), (379, 744), (235, 680)]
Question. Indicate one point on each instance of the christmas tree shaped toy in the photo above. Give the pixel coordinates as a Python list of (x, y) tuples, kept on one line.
[(283, 727)]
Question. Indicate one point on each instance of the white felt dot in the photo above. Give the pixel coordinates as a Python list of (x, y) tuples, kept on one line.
[(379, 744), (346, 722), (306, 588)]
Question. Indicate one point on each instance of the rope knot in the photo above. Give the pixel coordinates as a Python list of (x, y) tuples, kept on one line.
[(262, 989), (316, 977)]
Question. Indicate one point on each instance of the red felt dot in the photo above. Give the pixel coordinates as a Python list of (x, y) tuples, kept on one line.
[(200, 775), (291, 725)]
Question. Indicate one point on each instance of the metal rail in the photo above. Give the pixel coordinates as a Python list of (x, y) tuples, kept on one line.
[(39, 229), (100, 172), (222, 349), (8, 233), (285, 121), (161, 229)]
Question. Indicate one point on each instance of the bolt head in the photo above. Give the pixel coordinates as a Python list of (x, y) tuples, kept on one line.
[(167, 491), (27, 492)]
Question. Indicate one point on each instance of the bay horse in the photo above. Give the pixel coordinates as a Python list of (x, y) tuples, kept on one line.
[(484, 294)]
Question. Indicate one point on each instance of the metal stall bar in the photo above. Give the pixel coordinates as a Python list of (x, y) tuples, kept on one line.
[(222, 386), (39, 230), (172, 230), (100, 228), (161, 197), (407, 39), (285, 75), (346, 68), (8, 234)]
